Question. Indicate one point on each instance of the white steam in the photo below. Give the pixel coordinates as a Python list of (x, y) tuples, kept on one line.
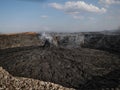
[(45, 36), (49, 38)]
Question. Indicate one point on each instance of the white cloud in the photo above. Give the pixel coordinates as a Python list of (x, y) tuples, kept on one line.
[(109, 2), (44, 16), (73, 7), (56, 6)]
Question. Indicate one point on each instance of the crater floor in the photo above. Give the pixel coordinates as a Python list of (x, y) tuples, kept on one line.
[(79, 68)]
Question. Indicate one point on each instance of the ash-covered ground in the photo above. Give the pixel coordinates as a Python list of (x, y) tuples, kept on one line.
[(73, 67)]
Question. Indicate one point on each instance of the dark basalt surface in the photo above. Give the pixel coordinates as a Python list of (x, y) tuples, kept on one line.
[(79, 68), (99, 41)]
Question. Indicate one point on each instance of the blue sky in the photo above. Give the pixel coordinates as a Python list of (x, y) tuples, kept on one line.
[(59, 16)]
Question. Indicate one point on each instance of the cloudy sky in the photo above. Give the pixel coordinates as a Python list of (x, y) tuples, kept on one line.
[(59, 15)]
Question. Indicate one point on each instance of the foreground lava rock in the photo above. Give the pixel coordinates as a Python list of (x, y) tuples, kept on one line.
[(78, 68), (8, 82)]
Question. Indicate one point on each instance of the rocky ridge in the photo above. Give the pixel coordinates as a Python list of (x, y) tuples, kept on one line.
[(95, 40), (19, 40), (8, 82)]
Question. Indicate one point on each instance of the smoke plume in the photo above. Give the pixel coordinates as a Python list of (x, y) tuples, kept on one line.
[(45, 36)]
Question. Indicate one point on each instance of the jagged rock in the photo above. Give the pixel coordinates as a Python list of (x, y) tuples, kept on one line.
[(8, 82)]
